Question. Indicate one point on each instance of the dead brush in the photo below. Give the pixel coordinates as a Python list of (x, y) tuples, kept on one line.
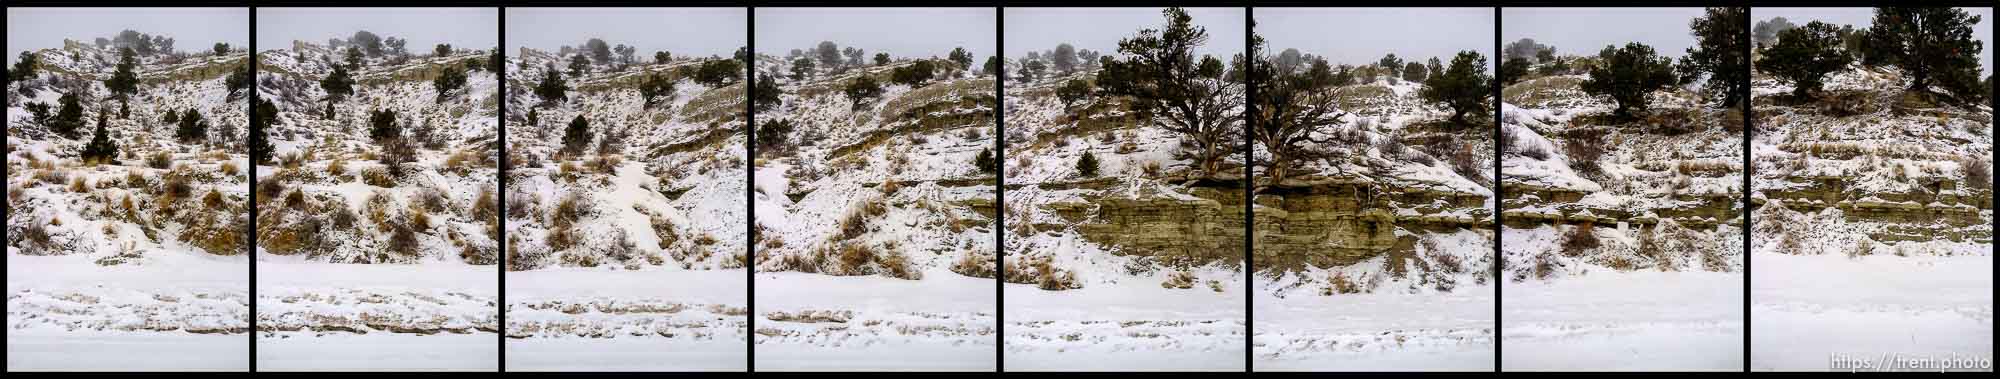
[(1580, 239)]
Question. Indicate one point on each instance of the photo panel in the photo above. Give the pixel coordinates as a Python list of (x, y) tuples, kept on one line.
[(127, 164), (1374, 188), (1125, 189), (378, 215), (627, 219), (875, 189), (1621, 174), (1872, 239)]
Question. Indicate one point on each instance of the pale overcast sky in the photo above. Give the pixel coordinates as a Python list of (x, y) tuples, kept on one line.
[(1363, 35), (191, 28), (901, 32), (1099, 29), (681, 31), (468, 28), (1585, 31), (1862, 18)]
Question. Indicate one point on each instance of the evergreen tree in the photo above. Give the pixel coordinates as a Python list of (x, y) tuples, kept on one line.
[(577, 136), (172, 117), (960, 57), (1719, 52), (1628, 75), (24, 67), (552, 89), (771, 136), (828, 54), (992, 67), (985, 162), (1932, 45), (599, 52), (220, 49), (442, 50), (337, 85), (1766, 32), (1513, 70), (192, 129), (69, 117), (861, 89), (914, 75), (496, 63), (382, 126), (238, 80), (662, 57), (766, 95), (1072, 91), (653, 87), (1191, 100), (353, 59), (1464, 87), (716, 73), (452, 79), (1804, 56), (1087, 165), (578, 65), (1391, 63), (100, 149), (881, 59), (1415, 72), (801, 69), (125, 81), (262, 117), (1064, 58)]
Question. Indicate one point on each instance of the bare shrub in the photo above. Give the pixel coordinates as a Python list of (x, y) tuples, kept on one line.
[(1580, 238)]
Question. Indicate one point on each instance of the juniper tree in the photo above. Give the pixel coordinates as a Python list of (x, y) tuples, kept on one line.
[(100, 149), (578, 65), (1072, 91), (1064, 58), (993, 67), (1719, 53), (124, 82), (716, 73), (915, 74), (985, 162), (69, 117), (881, 59), (1513, 70), (961, 58), (337, 85), (576, 136), (598, 51), (238, 80), (1766, 32), (1804, 56), (861, 89), (382, 126), (1464, 87), (262, 118), (24, 67), (766, 95), (353, 59), (450, 80), (653, 87), (1172, 93), (442, 50), (662, 57), (802, 68), (192, 128), (771, 136), (1087, 165), (828, 54), (496, 63), (1627, 75), (1932, 45), (552, 89), (1415, 72), (1289, 107), (1391, 63)]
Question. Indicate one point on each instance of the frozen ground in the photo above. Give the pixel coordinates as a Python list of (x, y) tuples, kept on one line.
[(818, 322), (1806, 308), (319, 316), (1125, 326), (570, 319), (1376, 332), (177, 311), (1624, 321)]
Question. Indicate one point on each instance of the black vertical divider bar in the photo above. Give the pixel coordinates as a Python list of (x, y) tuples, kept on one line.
[(750, 191), (1748, 129), (501, 50), (1499, 153), (1249, 220), (252, 111), (1000, 194)]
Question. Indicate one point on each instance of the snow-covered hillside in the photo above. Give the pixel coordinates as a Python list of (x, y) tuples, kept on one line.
[(1601, 209), (138, 260), (358, 250), (1873, 233), (875, 224), (631, 246)]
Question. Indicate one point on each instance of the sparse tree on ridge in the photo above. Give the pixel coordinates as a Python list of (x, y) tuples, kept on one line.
[(1064, 58), (577, 136), (1073, 91), (1766, 32), (100, 149), (1391, 63), (1463, 87), (1804, 56), (552, 89), (861, 89), (881, 59), (1932, 45), (598, 51), (192, 128), (1415, 72), (961, 58), (1628, 75), (1191, 100), (828, 54), (802, 68), (578, 65), (662, 57), (262, 117), (1719, 53)]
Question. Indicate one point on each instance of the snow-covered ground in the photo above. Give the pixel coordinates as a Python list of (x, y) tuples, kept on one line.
[(1132, 325), (593, 320), (820, 322), (318, 316), (1806, 309), (1624, 321), (1376, 332), (181, 312)]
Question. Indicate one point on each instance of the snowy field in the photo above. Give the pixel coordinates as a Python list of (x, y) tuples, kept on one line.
[(673, 320), (1125, 326), (1624, 321), (319, 316), (176, 311), (1807, 308), (1376, 332), (811, 322)]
